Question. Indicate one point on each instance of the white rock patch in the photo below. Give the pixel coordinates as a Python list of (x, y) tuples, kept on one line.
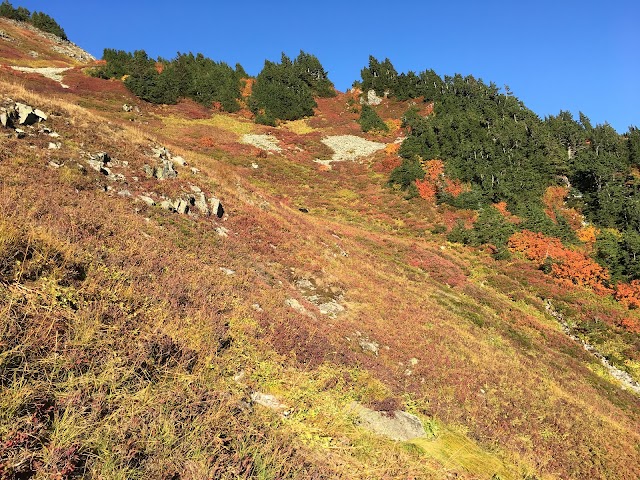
[(350, 147), (53, 73), (263, 142)]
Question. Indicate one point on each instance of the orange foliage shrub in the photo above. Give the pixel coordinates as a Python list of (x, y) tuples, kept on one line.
[(504, 211), (628, 293), (248, 87), (394, 125), (426, 189), (502, 208), (435, 169), (387, 164), (566, 264), (631, 324), (454, 187), (553, 199), (207, 142), (392, 148), (588, 234)]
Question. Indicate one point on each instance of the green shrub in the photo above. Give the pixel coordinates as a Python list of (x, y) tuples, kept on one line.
[(371, 121)]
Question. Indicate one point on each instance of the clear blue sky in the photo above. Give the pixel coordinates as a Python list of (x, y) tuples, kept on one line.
[(554, 55)]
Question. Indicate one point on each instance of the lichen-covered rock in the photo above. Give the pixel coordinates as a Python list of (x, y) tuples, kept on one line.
[(397, 425)]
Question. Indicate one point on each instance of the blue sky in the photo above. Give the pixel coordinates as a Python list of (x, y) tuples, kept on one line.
[(554, 55)]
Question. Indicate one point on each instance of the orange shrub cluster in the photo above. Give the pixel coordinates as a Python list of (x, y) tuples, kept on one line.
[(207, 142), (553, 199), (588, 234), (435, 181), (566, 264), (628, 293), (428, 187), (248, 87), (504, 211), (631, 324), (392, 148)]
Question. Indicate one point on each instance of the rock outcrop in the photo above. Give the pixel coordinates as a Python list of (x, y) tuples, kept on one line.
[(20, 114)]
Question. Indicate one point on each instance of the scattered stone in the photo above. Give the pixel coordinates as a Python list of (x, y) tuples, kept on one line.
[(127, 108), (148, 200), (372, 98), (194, 170), (239, 377), (167, 205), (268, 401), (124, 193), (55, 146), (255, 165), (257, 307), (21, 114), (6, 37), (367, 345), (215, 207), (179, 161), (222, 231), (195, 188), (263, 142), (103, 157), (54, 134), (350, 147), (181, 206), (331, 308), (298, 307), (396, 425), (227, 271), (200, 202), (54, 164), (20, 133), (33, 54), (161, 172)]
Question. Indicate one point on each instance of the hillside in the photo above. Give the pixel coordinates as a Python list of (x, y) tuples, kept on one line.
[(187, 294)]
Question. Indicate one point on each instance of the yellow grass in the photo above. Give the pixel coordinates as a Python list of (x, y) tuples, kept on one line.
[(224, 122), (300, 127)]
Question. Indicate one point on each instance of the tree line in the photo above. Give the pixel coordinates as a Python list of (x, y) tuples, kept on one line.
[(38, 19), (282, 91), (490, 141)]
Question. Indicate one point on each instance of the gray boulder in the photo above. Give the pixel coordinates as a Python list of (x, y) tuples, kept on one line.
[(200, 202), (5, 119), (216, 207), (27, 115), (162, 172), (397, 425), (181, 206)]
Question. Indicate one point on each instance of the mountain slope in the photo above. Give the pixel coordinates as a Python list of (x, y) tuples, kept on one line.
[(134, 338)]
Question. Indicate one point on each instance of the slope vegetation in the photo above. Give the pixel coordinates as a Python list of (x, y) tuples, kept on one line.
[(140, 342)]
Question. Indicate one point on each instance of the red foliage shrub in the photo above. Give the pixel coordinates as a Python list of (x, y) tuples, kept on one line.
[(438, 267), (387, 164)]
